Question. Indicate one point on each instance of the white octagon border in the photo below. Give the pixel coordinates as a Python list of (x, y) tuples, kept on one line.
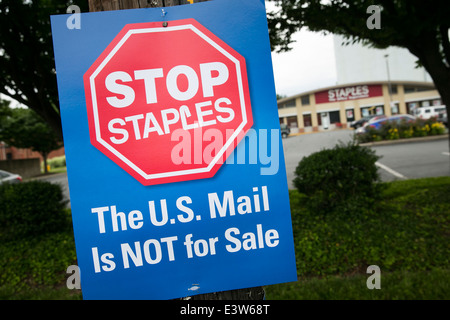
[(125, 159)]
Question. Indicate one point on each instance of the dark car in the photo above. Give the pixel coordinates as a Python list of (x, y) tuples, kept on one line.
[(7, 177), (361, 122), (285, 130)]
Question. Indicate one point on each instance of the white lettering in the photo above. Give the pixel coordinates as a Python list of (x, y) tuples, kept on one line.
[(172, 83), (149, 77), (208, 81), (120, 89)]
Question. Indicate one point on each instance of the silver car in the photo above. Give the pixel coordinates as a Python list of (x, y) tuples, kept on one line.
[(7, 177)]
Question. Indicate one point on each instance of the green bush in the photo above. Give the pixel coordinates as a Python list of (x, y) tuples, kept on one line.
[(344, 178), (30, 209), (57, 162)]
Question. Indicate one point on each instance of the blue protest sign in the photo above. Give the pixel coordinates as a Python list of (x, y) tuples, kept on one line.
[(175, 164)]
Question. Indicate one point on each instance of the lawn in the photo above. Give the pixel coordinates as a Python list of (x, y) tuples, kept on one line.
[(406, 234), (397, 285)]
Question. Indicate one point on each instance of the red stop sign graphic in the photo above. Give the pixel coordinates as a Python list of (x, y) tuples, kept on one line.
[(168, 104)]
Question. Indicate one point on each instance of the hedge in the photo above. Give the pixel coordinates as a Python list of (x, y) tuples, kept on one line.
[(36, 237), (344, 178), (31, 209)]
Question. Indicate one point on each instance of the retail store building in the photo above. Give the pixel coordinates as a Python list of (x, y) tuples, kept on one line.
[(337, 106)]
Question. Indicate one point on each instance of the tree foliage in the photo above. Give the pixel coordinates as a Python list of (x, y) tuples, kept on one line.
[(27, 68), (420, 26), (23, 128), (405, 23)]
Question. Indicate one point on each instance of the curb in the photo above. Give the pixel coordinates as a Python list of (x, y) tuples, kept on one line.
[(312, 132), (410, 140), (43, 176)]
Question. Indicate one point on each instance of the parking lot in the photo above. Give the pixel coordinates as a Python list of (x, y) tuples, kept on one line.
[(398, 161)]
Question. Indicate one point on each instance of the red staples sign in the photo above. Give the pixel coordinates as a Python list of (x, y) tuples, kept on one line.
[(153, 85), (349, 93)]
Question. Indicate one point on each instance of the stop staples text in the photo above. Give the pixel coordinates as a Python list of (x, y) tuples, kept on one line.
[(141, 126)]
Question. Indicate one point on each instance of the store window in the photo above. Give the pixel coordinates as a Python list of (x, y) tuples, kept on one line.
[(395, 109), (287, 104), (372, 111), (335, 117), (307, 120), (410, 107), (292, 122), (305, 100), (350, 115), (411, 89), (393, 89)]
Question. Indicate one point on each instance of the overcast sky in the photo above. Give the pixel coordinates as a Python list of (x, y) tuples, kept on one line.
[(310, 65)]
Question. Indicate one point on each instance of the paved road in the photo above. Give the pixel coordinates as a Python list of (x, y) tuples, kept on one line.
[(414, 160), (61, 179)]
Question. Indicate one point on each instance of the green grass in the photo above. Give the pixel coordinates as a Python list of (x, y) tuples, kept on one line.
[(29, 266), (41, 293), (406, 235), (408, 230), (398, 285), (58, 170)]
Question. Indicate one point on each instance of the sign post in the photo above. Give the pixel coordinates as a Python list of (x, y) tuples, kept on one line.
[(176, 173)]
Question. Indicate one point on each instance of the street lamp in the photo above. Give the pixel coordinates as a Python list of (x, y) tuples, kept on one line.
[(389, 81)]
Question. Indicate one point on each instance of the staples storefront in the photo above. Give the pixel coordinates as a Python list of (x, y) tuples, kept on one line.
[(337, 107)]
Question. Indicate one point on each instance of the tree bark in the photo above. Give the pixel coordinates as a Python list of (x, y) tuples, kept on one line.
[(44, 156), (427, 49), (256, 293)]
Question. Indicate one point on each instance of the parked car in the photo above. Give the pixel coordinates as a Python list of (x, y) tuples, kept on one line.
[(378, 123), (428, 112), (361, 122), (285, 130), (442, 117), (7, 177), (376, 118)]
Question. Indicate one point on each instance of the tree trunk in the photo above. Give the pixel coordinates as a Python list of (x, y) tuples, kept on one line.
[(45, 155), (427, 49), (256, 293)]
